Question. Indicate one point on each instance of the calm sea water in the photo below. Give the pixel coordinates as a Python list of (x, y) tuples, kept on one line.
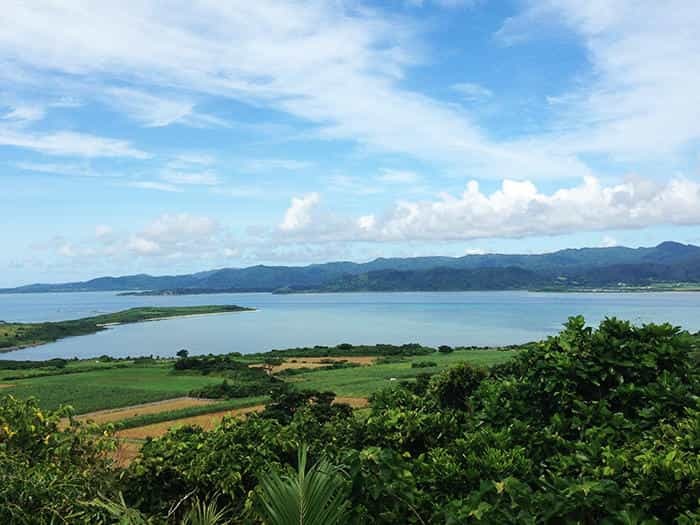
[(283, 321)]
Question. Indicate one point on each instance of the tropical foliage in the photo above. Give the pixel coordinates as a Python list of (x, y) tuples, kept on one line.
[(591, 426)]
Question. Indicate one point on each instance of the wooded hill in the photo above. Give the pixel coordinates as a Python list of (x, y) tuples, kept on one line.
[(667, 264)]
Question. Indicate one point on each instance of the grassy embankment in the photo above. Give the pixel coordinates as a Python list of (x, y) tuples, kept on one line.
[(20, 335)]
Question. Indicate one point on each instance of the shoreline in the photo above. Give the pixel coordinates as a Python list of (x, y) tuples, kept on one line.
[(106, 326)]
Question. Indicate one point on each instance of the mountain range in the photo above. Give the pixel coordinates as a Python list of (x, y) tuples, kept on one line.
[(669, 263)]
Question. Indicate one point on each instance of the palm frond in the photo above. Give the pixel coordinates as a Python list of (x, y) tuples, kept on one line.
[(201, 513), (317, 496)]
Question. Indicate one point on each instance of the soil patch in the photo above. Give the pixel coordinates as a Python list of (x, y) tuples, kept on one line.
[(318, 362), (354, 402), (206, 421), (117, 414)]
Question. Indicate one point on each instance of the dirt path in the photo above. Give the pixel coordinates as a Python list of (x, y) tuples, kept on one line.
[(206, 421), (117, 414), (6, 385)]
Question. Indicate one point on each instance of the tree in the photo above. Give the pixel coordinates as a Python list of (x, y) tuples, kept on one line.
[(182, 354), (452, 387)]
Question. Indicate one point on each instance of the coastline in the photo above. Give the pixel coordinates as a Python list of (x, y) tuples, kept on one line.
[(105, 326)]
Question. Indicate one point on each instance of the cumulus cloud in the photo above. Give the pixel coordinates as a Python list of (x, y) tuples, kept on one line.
[(518, 209), (171, 228), (103, 231), (178, 235), (298, 215)]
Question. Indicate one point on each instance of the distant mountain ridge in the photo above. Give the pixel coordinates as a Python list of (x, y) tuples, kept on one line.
[(669, 262)]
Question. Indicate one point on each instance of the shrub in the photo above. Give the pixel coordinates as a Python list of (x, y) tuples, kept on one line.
[(453, 387), (423, 364)]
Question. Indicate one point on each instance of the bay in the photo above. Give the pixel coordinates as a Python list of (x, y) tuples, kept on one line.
[(284, 321)]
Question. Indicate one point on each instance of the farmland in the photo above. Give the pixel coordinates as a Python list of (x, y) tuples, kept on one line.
[(150, 395), (92, 385)]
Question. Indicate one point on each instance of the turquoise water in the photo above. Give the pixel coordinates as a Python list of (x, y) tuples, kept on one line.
[(283, 321)]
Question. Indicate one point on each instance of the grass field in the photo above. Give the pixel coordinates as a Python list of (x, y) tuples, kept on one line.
[(90, 385), (109, 388), (362, 381)]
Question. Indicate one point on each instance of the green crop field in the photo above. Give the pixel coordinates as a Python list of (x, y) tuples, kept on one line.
[(364, 380), (110, 388), (90, 385)]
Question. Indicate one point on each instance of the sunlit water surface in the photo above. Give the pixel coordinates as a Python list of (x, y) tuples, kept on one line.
[(283, 321)]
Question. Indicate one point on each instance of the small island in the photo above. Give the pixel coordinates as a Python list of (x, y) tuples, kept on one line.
[(14, 336)]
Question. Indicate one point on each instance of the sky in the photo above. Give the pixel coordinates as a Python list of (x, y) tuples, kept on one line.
[(171, 137)]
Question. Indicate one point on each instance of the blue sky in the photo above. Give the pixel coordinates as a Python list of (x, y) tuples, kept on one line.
[(144, 137)]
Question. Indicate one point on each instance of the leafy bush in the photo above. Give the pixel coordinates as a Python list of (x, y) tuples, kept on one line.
[(47, 475), (591, 426), (423, 364), (453, 387)]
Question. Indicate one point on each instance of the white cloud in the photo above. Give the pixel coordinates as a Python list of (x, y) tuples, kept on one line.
[(67, 250), (471, 91), (392, 176), (608, 241), (178, 227), (25, 113), (70, 143), (153, 185), (240, 191), (442, 3), (157, 111), (298, 215), (259, 165), (76, 170), (141, 246), (335, 65), (347, 184), (642, 97), (103, 231), (205, 178), (516, 210)]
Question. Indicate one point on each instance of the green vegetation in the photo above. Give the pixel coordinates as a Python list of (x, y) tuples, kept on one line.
[(669, 265), (173, 415), (360, 382), (591, 426), (349, 350), (18, 335), (97, 384), (110, 388)]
